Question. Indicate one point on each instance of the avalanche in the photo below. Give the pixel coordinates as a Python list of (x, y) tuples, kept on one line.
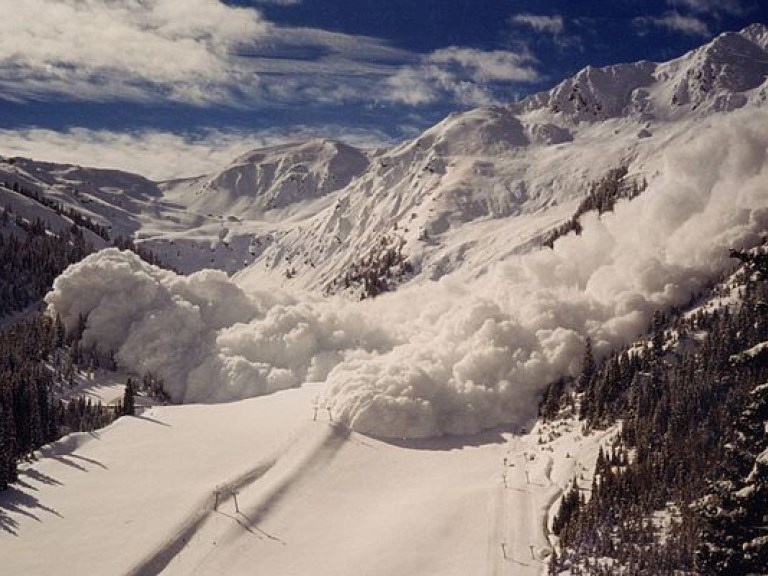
[(449, 357)]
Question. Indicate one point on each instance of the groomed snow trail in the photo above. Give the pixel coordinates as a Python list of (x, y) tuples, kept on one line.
[(135, 489), (534, 471), (517, 542), (295, 497)]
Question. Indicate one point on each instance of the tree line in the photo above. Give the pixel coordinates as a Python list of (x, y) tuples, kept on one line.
[(32, 257), (38, 364), (32, 412)]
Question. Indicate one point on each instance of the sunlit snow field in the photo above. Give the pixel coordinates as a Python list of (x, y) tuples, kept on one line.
[(295, 496)]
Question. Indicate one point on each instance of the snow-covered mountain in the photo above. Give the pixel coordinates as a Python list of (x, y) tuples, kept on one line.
[(312, 215)]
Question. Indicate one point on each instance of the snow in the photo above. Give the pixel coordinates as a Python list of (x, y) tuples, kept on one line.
[(313, 498), (756, 351)]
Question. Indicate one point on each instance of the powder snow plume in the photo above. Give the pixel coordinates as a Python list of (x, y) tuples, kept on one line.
[(450, 357)]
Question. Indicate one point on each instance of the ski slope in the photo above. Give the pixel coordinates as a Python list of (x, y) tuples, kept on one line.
[(296, 496)]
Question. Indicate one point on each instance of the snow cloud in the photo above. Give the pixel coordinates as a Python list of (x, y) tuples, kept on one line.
[(451, 357)]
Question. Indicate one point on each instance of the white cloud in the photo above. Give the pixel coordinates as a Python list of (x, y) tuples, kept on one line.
[(675, 22), (465, 75), (481, 66), (710, 6), (545, 24), (124, 48), (205, 52), (196, 52), (156, 154)]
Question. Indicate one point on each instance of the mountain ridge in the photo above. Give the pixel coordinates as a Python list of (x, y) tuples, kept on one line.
[(300, 215)]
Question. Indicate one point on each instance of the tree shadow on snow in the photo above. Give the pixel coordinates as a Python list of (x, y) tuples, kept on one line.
[(15, 503), (37, 476), (89, 461), (148, 419), (67, 461)]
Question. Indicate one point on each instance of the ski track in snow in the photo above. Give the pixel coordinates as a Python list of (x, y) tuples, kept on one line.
[(318, 452)]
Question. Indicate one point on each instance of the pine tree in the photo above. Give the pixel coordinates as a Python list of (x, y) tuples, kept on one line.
[(587, 367), (8, 449), (735, 513), (128, 407), (657, 331)]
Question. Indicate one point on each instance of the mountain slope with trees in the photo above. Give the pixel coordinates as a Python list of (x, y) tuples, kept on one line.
[(686, 489)]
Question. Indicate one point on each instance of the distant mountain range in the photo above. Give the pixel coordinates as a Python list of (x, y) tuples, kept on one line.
[(473, 189)]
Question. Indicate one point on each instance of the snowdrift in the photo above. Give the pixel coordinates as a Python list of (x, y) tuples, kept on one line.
[(450, 357)]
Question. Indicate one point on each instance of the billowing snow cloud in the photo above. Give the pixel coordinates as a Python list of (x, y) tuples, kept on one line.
[(478, 356), (451, 357)]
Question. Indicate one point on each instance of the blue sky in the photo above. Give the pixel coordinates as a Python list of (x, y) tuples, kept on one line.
[(140, 84)]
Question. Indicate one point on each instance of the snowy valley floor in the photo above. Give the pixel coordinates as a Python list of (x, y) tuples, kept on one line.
[(295, 497)]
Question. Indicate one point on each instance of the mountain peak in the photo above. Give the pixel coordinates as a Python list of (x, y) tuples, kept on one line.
[(277, 176), (757, 33), (718, 75)]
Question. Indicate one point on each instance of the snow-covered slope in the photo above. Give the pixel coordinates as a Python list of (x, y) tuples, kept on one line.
[(725, 74), (259, 487), (116, 200), (274, 178)]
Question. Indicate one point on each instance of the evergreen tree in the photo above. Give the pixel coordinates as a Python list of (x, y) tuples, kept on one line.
[(735, 538), (587, 367), (8, 447), (128, 407)]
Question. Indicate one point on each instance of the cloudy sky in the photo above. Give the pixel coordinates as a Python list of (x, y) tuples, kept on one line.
[(174, 87)]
